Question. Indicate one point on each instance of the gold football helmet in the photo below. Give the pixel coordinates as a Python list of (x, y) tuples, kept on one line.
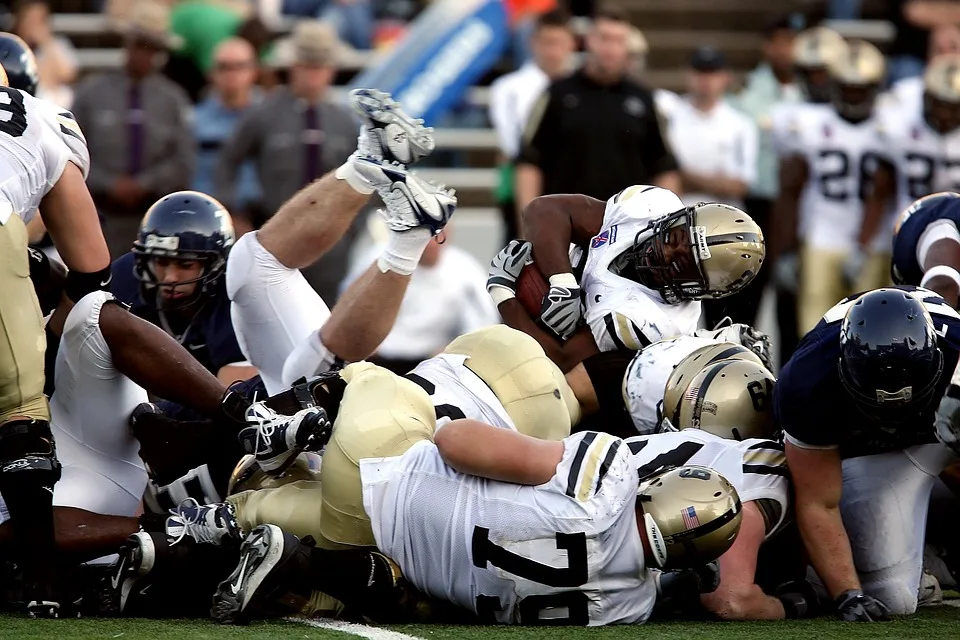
[(706, 251), (691, 516), (941, 93), (814, 51), (731, 399), (688, 368), (856, 75)]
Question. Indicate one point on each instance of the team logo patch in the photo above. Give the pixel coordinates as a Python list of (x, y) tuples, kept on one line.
[(690, 519), (604, 237)]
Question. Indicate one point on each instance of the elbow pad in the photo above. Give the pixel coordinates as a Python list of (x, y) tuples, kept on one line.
[(80, 284)]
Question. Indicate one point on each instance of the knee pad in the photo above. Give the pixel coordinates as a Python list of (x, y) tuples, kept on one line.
[(28, 459)]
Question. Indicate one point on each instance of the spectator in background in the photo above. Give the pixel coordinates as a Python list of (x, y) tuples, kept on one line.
[(295, 135), (523, 17), (352, 19), (234, 93), (447, 294), (596, 132), (913, 21), (137, 127), (769, 85), (514, 94), (56, 58), (716, 148)]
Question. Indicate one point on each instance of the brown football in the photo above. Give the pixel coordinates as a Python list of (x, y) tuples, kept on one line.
[(531, 287)]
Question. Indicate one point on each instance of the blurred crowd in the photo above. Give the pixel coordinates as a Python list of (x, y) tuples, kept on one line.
[(208, 99)]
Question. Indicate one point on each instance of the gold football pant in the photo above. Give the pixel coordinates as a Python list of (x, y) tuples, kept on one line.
[(381, 415), (528, 384), (24, 342), (822, 283)]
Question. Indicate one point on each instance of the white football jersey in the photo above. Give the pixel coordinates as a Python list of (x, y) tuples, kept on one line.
[(457, 392), (37, 139), (565, 551), (925, 161), (756, 468), (841, 158), (623, 313), (648, 373)]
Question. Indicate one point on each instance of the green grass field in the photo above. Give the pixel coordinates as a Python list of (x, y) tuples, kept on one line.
[(931, 624)]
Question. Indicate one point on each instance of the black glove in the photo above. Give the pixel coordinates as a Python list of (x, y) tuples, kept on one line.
[(802, 599), (855, 606)]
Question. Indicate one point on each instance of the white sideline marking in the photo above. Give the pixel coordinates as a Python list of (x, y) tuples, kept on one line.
[(362, 630)]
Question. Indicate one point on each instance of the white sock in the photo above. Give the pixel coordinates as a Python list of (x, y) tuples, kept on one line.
[(403, 250), (349, 173)]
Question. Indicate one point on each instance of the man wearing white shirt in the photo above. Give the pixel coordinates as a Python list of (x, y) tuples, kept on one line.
[(513, 95), (446, 298), (715, 145)]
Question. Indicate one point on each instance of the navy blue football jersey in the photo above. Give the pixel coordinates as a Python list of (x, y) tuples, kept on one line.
[(812, 406), (906, 236), (208, 335)]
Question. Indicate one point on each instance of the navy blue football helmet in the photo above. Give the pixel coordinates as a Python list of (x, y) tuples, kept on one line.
[(889, 359), (19, 63), (185, 225)]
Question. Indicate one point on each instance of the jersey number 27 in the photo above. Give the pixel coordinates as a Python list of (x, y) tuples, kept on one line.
[(13, 113)]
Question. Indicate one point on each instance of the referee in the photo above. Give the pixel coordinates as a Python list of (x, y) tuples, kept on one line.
[(595, 132)]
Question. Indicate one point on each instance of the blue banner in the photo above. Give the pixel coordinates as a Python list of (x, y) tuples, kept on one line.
[(448, 48)]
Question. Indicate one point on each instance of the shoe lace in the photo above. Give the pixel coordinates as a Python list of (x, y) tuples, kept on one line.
[(195, 526), (266, 422)]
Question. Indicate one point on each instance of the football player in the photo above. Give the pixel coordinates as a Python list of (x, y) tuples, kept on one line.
[(856, 403), (926, 246), (826, 178), (173, 278), (921, 146), (645, 262), (516, 502), (44, 160)]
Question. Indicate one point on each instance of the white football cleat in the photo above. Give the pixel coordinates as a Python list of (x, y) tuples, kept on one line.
[(411, 201), (388, 133)]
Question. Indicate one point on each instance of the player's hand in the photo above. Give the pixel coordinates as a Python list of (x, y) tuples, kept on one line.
[(803, 599), (561, 309), (856, 606), (947, 419), (743, 334), (786, 272), (505, 268), (853, 265)]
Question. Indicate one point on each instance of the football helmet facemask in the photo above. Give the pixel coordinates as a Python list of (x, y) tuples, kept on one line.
[(813, 52), (855, 79), (691, 516), (731, 399), (185, 225), (941, 94), (890, 362), (720, 254), (688, 368)]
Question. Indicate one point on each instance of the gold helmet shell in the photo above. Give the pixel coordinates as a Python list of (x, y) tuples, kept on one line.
[(729, 246), (689, 367), (691, 516), (817, 48), (860, 63), (730, 399), (941, 93)]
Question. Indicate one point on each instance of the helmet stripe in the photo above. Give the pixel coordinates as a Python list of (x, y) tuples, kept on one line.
[(724, 238), (705, 386)]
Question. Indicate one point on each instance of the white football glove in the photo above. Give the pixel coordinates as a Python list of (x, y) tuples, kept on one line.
[(947, 420), (505, 268), (561, 309), (743, 334), (786, 272)]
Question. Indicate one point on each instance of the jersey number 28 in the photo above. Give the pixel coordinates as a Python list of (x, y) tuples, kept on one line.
[(532, 607), (13, 113), (833, 182)]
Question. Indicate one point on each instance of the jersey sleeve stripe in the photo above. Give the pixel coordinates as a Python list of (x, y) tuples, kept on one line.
[(612, 331), (765, 456), (636, 446), (767, 444), (605, 465), (592, 463), (629, 334), (767, 470), (674, 458), (577, 463)]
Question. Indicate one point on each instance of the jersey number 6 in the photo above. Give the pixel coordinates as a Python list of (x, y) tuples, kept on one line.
[(573, 575), (13, 114)]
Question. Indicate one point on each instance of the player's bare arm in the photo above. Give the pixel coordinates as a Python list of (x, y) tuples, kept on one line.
[(479, 449), (553, 222), (567, 354), (793, 176), (944, 252), (72, 221), (818, 481), (879, 196), (738, 597)]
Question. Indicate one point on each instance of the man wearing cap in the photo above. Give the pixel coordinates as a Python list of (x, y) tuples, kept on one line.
[(137, 126), (295, 135), (715, 145)]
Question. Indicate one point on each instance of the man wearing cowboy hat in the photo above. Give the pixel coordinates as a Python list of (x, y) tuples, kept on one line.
[(295, 135), (137, 126)]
